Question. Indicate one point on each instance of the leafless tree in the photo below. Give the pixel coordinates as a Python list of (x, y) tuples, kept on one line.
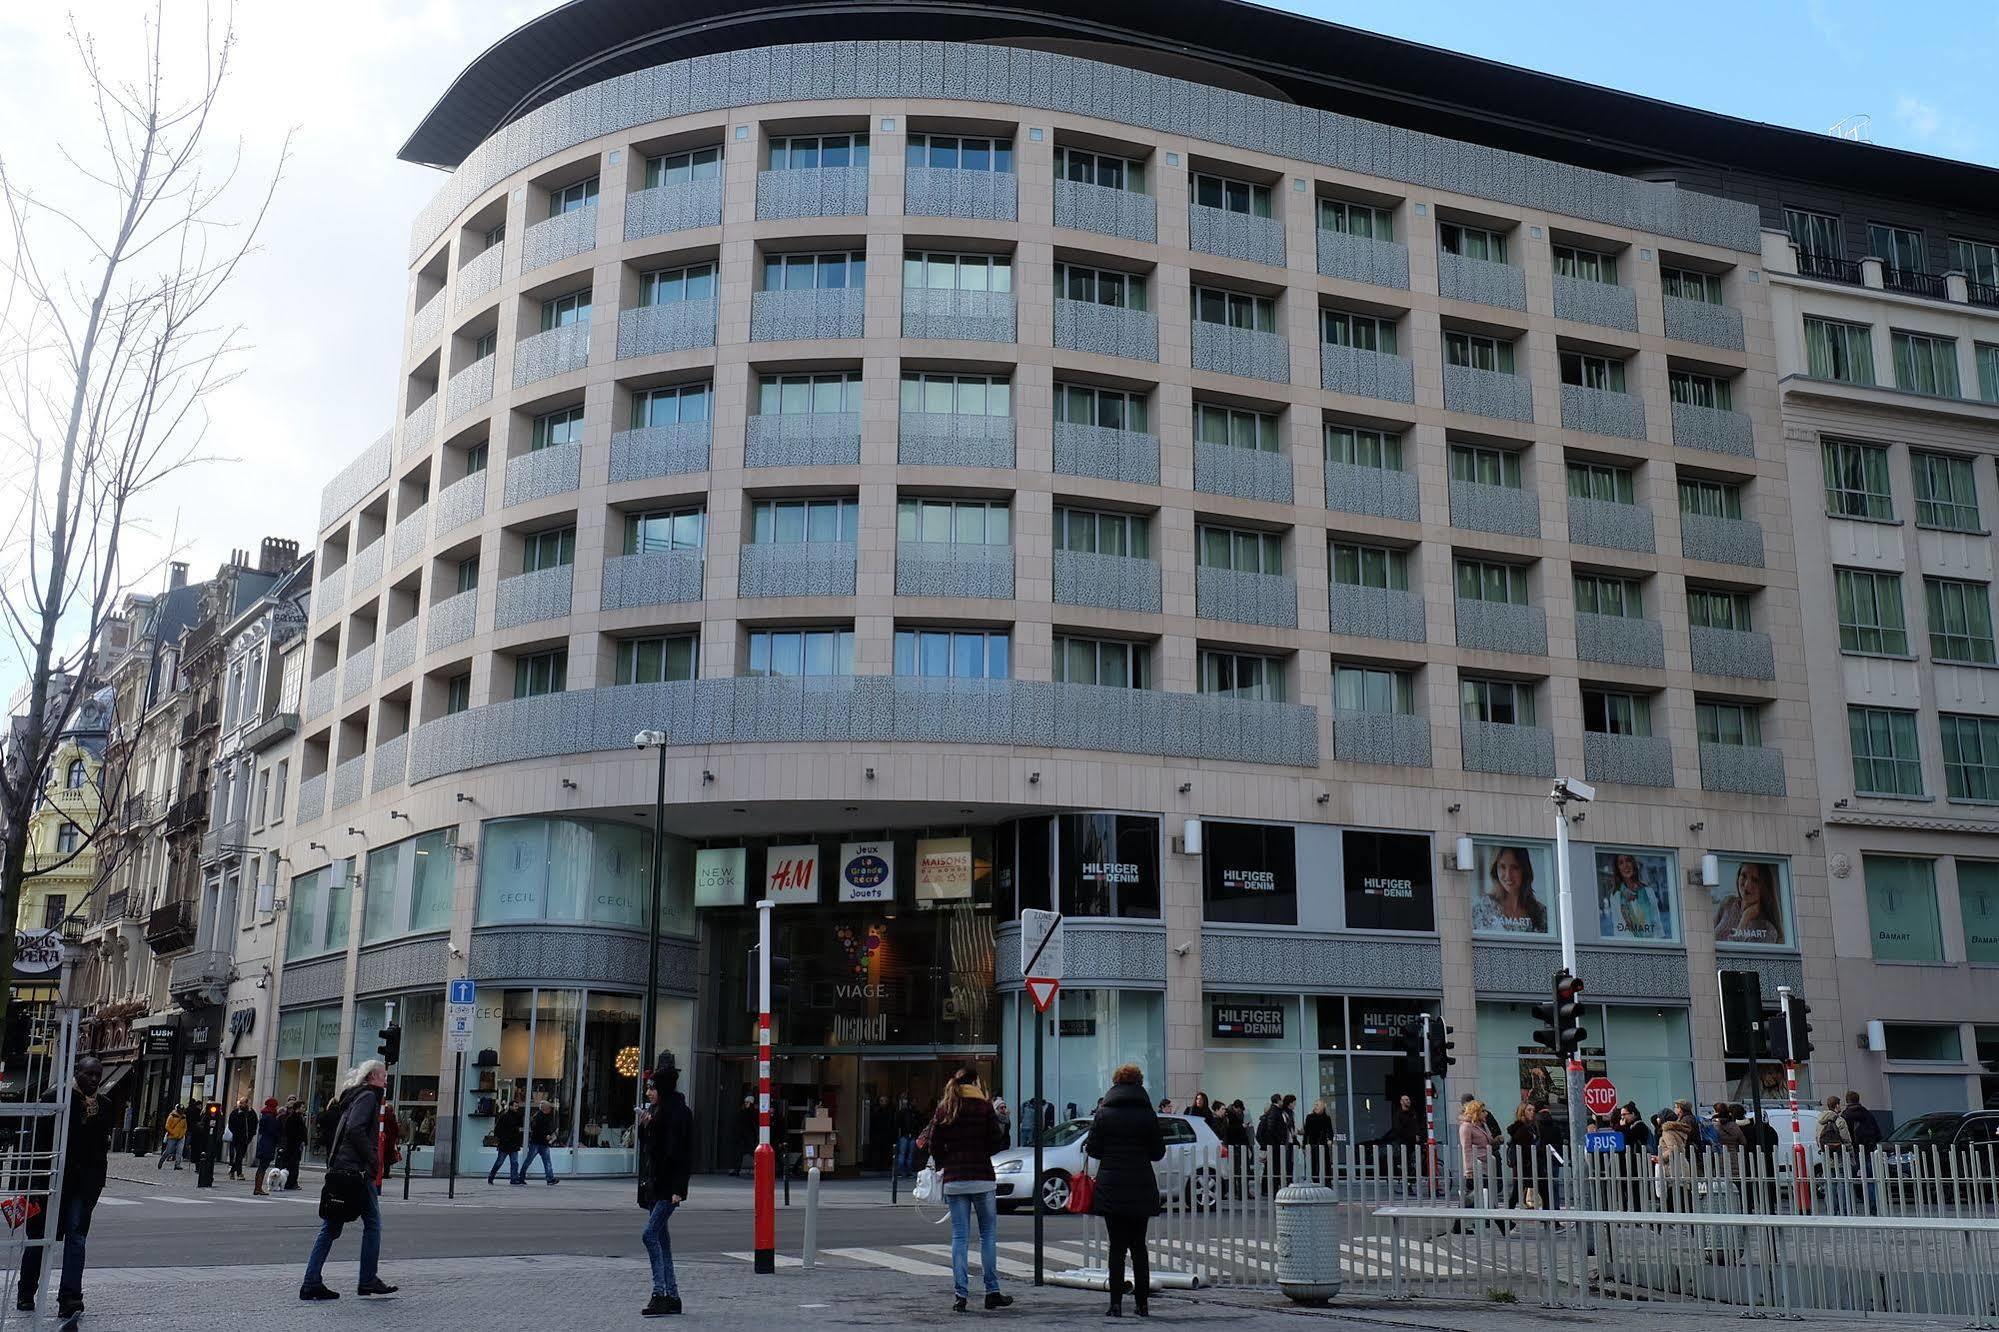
[(111, 344)]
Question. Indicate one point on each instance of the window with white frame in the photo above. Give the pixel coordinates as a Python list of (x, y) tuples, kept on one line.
[(801, 652), (1925, 363), (1110, 409), (681, 168), (1886, 757), (1946, 491), (1856, 480), (1715, 608), (1239, 549), (806, 395), (960, 152), (1356, 564), (1378, 690), (1244, 675), (1817, 235), (1485, 466), (1101, 532), (1868, 603), (656, 660), (1607, 594), (1977, 260), (1970, 756), (804, 521), (1468, 242), (672, 405), (1603, 373), (1698, 390), (1500, 702), (1100, 286), (956, 395), (668, 286), (566, 310), (1476, 351), (954, 522), (1588, 265), (548, 550), (1835, 349), (1093, 168), (1960, 617), (569, 198), (1719, 722), (1230, 195), (1489, 580), (807, 152), (1616, 712), (1689, 285), (540, 673), (1350, 218), (832, 271), (1363, 448), (953, 654), (1709, 498), (1235, 309), (1602, 481), (1900, 249), (657, 531), (1109, 662), (943, 271), (562, 426), (1236, 427), (1344, 328)]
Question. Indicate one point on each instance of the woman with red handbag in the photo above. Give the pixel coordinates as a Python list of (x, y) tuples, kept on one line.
[(1125, 1139), (963, 1135)]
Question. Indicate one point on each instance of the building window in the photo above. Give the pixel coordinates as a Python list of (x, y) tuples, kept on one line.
[(54, 907), (1599, 481), (1710, 608), (1886, 760), (801, 652), (1900, 249), (76, 776), (959, 152), (1110, 662), (1870, 612), (956, 395), (1946, 491), (68, 838), (1487, 467), (1100, 286), (1924, 1042), (1600, 594), (1592, 372), (1501, 702), (572, 197), (1837, 350), (458, 693), (548, 550), (1356, 565), (810, 151), (1342, 328), (1105, 169), (468, 574), (1977, 260), (1374, 689), (1232, 196), (1108, 409), (802, 521), (1987, 356), (654, 660), (1478, 352), (1239, 549), (1719, 723), (1588, 265), (672, 406), (1970, 756), (1235, 309), (1925, 363), (1356, 219), (1700, 390), (814, 272), (669, 286), (1816, 235), (680, 168), (541, 673), (1856, 481), (1363, 448), (566, 311), (493, 235), (1484, 580), (1471, 242), (475, 459), (1098, 532), (555, 428), (1902, 916), (957, 654), (1691, 286), (1256, 431), (484, 346), (954, 522), (1610, 712), (1960, 620), (803, 395), (661, 530), (1242, 675)]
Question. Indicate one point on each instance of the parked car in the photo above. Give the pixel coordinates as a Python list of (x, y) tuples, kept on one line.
[(1961, 1145), (1189, 1174)]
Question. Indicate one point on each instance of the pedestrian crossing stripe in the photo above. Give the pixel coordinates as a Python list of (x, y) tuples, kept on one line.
[(1012, 1267), (1369, 1256)]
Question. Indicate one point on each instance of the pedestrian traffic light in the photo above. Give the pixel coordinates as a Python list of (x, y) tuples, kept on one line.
[(780, 983), (391, 1048), (1441, 1045), (1569, 1013)]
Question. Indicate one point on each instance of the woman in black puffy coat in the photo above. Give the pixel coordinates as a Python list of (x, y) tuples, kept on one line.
[(1125, 1139)]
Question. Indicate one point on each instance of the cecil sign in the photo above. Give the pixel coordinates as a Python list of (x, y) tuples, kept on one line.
[(37, 952)]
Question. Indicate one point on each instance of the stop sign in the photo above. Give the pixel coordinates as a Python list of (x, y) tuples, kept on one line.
[(1599, 1096)]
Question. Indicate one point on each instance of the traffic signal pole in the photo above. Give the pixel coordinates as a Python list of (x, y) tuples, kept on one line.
[(765, 1163), (1430, 1109), (1567, 932), (1800, 1172)]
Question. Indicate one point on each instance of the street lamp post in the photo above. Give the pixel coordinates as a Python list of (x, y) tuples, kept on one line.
[(649, 1017)]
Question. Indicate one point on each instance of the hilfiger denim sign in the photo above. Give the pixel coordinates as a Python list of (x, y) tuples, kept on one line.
[(1247, 1022)]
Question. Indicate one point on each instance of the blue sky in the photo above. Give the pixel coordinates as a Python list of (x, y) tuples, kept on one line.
[(1804, 63)]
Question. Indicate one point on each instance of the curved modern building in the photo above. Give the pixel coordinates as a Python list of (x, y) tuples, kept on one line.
[(1196, 468)]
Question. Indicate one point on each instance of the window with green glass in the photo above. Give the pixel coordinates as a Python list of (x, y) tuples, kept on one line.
[(1946, 491), (801, 652), (1485, 580), (1978, 908), (475, 458), (468, 573), (1870, 611), (1838, 350), (957, 272), (669, 286), (1363, 448), (1601, 594), (1816, 234), (1100, 286), (1105, 169), (1107, 409), (804, 521), (1987, 356), (1886, 758), (835, 270), (1589, 265), (1925, 363), (555, 428), (1501, 702), (1710, 499), (959, 152), (1343, 328), (1487, 467), (1689, 285), (1582, 370), (1601, 481), (1101, 532), (954, 522), (541, 673), (1244, 675), (674, 405), (1856, 480), (1900, 249), (1697, 390), (680, 168), (484, 346), (653, 660), (1356, 565), (458, 693), (1236, 427), (1970, 756), (1232, 196), (1476, 351), (1111, 663), (806, 395), (1613, 712), (572, 197), (1960, 620), (1712, 608), (815, 152), (1469, 242), (1235, 309), (1902, 908), (566, 311), (659, 530), (956, 395), (303, 915), (1239, 549), (1374, 689), (955, 654), (1977, 260), (1356, 219), (1717, 722), (548, 550)]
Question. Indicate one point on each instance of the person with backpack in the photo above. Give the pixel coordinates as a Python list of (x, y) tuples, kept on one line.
[(1273, 1137), (962, 1136), (668, 1126), (173, 1138), (507, 1144), (355, 1163)]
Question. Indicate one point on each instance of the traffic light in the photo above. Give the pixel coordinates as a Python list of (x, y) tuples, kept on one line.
[(391, 1048), (1794, 1042), (1441, 1046), (780, 983), (1412, 1049), (1548, 1035), (1569, 1013)]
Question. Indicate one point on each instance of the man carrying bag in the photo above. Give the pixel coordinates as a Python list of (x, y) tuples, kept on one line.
[(354, 1165)]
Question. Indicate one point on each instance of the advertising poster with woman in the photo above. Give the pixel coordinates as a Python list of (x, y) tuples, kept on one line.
[(1634, 896), (1513, 891), (1751, 903)]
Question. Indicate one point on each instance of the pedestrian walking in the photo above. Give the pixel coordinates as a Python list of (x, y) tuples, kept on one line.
[(1835, 1144), (881, 1134), (507, 1134), (1867, 1136), (1125, 1139), (1200, 1109), (269, 1129), (1491, 1120), (1273, 1139), (746, 1135), (1526, 1160), (962, 1136), (354, 1166), (541, 1136), (242, 1131), (1636, 1158), (173, 1138), (668, 1126), (291, 1142), (86, 1147), (1005, 1116), (1318, 1141), (909, 1123), (1475, 1142), (1679, 1149)]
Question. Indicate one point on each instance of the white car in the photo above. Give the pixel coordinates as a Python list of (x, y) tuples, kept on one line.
[(1189, 1174)]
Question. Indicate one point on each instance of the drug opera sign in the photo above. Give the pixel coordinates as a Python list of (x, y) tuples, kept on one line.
[(37, 952)]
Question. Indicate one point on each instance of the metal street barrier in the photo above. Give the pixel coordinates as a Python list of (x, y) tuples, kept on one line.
[(34, 1135)]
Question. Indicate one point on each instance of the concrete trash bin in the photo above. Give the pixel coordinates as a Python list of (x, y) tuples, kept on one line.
[(1308, 1243)]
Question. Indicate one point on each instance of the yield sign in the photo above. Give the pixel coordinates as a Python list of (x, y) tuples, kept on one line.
[(1041, 989)]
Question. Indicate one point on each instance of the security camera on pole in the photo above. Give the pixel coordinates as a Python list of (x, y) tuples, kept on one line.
[(1567, 789)]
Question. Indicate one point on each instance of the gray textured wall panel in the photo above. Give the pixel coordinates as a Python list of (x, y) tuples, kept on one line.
[(1602, 412), (782, 316), (1714, 430), (1379, 491), (1377, 612), (1610, 526), (1245, 352), (1620, 640), (1724, 540), (809, 439), (1488, 393), (1366, 374), (946, 439), (1742, 653), (1305, 960), (1634, 760), (1698, 321), (652, 578), (460, 502), (1257, 474), (1106, 454), (1742, 769), (800, 569), (1478, 507), (1518, 751), (681, 206), (555, 470), (656, 451), (1106, 330), (451, 621), (1496, 626), (1363, 259), (1381, 737), (650, 330), (947, 569), (530, 598), (1602, 303), (1112, 582), (1246, 598), (1126, 214)]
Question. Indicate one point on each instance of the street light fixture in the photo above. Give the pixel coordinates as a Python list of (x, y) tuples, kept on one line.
[(648, 1019)]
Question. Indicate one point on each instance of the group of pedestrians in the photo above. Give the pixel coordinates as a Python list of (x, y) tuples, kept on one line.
[(537, 1128)]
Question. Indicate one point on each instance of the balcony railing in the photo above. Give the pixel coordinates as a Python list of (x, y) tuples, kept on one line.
[(1245, 352), (1498, 626), (170, 928), (797, 569), (349, 780), (960, 316), (1914, 283), (1481, 281), (1515, 751), (799, 314), (278, 726), (451, 621), (1106, 454), (530, 598), (555, 470), (654, 330), (652, 578), (1491, 393), (1830, 268), (419, 426), (946, 439), (1633, 760), (358, 672), (312, 798), (559, 238), (331, 590), (1610, 526), (479, 275), (1704, 322), (391, 766), (1742, 770), (217, 841), (1380, 492), (365, 567), (1242, 597), (1743, 654), (460, 502), (1603, 412), (399, 648), (1108, 582), (1366, 374), (1253, 474), (320, 693), (556, 351), (680, 206), (1714, 430), (986, 196), (1400, 738), (1106, 330), (1479, 507), (1260, 240), (1364, 259), (804, 439), (663, 450), (469, 388), (199, 977), (1620, 640), (428, 322), (1391, 613), (407, 539), (948, 569), (1108, 211), (1604, 304), (812, 192), (1723, 540)]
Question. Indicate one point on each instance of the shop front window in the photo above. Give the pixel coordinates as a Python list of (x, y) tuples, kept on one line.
[(308, 1064), (1652, 1064), (1249, 873), (413, 1082), (1109, 865), (575, 871)]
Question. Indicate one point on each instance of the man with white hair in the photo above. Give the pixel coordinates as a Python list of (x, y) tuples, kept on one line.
[(353, 1183)]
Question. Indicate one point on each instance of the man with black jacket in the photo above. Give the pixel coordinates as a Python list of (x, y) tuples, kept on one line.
[(668, 1127), (242, 1132), (541, 1136), (292, 1134), (354, 1149), (91, 1117)]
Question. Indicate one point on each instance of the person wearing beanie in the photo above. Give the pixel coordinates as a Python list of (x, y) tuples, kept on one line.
[(269, 1130), (667, 1130)]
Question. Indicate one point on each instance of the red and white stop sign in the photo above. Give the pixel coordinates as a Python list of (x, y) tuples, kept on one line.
[(1600, 1096)]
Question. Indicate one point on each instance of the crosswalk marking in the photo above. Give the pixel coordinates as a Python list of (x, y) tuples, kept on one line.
[(783, 1259), (119, 1202), (1006, 1266), (1050, 1253), (895, 1262), (179, 1202)]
